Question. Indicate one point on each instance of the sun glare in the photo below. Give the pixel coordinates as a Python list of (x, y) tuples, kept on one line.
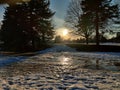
[(65, 32)]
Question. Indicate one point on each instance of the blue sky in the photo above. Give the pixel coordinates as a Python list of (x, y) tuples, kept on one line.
[(1, 12), (58, 6)]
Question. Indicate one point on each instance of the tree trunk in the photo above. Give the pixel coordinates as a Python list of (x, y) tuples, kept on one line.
[(97, 28), (43, 37), (86, 40), (33, 43)]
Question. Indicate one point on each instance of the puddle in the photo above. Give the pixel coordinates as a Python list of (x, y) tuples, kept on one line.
[(96, 61)]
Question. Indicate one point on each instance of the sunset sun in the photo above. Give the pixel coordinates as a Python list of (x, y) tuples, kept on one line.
[(65, 32)]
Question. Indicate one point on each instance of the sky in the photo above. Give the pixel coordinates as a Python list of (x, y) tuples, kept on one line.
[(1, 12), (57, 6), (60, 8)]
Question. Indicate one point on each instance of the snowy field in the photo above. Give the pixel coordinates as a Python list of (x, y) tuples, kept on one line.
[(110, 43), (61, 68)]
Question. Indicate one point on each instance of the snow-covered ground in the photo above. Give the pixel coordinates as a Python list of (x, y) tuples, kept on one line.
[(58, 48), (110, 43), (7, 60), (63, 68)]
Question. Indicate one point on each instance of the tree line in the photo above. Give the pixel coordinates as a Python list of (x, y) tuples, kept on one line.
[(88, 17), (27, 25)]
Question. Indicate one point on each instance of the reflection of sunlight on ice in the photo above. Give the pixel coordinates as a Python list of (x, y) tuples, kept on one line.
[(64, 60)]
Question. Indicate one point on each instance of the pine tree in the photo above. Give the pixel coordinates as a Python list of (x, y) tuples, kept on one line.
[(24, 23), (12, 33), (41, 14), (46, 30)]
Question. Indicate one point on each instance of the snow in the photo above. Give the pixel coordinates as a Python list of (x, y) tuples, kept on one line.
[(57, 48), (62, 68), (7, 60), (110, 43), (64, 48)]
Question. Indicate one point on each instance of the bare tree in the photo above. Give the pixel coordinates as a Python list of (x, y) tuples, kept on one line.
[(85, 28), (78, 21), (102, 11), (73, 13)]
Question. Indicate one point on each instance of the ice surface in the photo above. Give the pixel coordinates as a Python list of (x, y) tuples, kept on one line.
[(58, 48), (62, 68)]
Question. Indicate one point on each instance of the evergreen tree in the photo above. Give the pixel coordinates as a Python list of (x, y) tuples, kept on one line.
[(41, 15), (12, 32), (101, 10), (46, 31), (24, 23)]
